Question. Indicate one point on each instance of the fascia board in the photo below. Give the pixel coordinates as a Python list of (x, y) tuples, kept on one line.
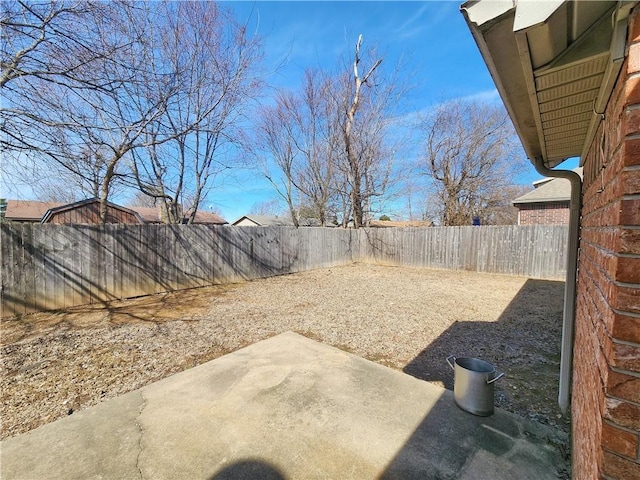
[(481, 12), (530, 13), (499, 50)]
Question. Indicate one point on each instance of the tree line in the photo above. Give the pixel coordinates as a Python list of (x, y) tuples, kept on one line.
[(163, 98)]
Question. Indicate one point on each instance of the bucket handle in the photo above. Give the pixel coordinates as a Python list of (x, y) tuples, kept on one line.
[(449, 361), (495, 379)]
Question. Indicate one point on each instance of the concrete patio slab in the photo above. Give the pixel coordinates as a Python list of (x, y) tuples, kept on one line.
[(285, 408)]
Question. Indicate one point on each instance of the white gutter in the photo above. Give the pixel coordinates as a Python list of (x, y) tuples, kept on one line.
[(569, 312)]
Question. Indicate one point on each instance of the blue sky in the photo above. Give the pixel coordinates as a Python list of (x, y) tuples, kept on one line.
[(429, 38)]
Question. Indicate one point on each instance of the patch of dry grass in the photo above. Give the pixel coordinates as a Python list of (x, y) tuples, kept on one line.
[(409, 319)]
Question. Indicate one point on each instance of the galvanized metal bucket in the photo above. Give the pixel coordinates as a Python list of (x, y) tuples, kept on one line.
[(473, 384)]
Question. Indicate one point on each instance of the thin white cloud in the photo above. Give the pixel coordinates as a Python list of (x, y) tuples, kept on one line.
[(425, 18), (488, 96), (410, 23), (411, 118)]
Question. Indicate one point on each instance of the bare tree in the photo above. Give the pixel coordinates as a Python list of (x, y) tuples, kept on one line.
[(317, 140), (214, 63), (72, 74), (51, 49), (329, 143), (501, 210), (371, 135), (469, 154), (51, 41), (268, 207), (274, 146), (354, 157), (150, 82), (298, 135)]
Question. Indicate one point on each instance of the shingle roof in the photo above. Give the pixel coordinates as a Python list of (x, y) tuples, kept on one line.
[(148, 214), (266, 220), (152, 215), (399, 224), (28, 210), (554, 190), (209, 217)]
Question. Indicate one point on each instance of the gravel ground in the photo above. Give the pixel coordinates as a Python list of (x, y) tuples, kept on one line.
[(409, 319)]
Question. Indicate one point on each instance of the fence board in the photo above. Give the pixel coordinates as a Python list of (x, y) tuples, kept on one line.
[(10, 305)]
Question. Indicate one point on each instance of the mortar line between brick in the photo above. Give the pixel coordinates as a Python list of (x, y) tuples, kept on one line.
[(628, 314), (624, 342), (603, 249), (628, 255), (630, 373), (626, 284), (619, 427), (619, 454), (621, 400)]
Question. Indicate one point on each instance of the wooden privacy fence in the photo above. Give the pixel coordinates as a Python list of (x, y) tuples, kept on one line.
[(537, 251), (45, 267)]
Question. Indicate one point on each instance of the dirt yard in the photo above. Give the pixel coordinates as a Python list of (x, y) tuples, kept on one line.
[(409, 319)]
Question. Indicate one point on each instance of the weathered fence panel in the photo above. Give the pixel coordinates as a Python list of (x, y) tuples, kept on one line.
[(537, 251), (51, 266)]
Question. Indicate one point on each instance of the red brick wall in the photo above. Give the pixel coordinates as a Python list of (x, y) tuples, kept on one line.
[(606, 372), (543, 213)]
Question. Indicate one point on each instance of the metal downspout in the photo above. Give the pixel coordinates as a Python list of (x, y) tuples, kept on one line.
[(569, 312)]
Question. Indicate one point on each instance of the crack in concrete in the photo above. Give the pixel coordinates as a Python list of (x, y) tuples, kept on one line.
[(139, 425)]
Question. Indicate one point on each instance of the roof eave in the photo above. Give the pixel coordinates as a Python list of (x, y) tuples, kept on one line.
[(542, 201), (488, 33), (550, 63)]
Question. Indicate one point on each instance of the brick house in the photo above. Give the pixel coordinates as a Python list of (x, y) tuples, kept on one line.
[(547, 204), (569, 75)]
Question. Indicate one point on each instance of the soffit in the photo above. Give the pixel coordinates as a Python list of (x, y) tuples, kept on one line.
[(567, 87), (554, 63)]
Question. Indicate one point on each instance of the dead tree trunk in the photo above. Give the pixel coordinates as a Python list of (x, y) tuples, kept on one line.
[(352, 158)]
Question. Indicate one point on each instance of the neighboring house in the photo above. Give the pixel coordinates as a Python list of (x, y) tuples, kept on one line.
[(569, 75), (275, 221), (154, 215), (207, 218), (28, 210), (547, 204), (262, 221), (88, 212), (399, 224)]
